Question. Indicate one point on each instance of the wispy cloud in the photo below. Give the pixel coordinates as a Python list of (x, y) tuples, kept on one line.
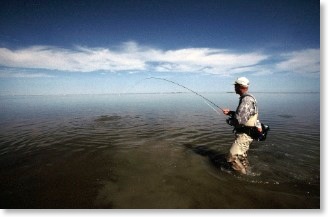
[(132, 57), (305, 62), (10, 73), (76, 60), (128, 57)]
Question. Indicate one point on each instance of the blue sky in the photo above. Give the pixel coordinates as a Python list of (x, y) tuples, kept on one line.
[(92, 47)]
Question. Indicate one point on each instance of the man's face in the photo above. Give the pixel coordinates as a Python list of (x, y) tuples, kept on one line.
[(237, 89)]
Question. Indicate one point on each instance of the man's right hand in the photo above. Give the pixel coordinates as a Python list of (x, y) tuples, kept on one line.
[(226, 111)]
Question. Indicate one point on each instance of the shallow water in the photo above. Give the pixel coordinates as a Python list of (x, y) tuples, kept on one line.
[(154, 151)]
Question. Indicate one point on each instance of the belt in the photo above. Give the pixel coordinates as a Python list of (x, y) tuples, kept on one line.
[(248, 130)]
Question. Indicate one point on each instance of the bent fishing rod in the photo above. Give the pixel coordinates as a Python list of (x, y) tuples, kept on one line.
[(167, 80)]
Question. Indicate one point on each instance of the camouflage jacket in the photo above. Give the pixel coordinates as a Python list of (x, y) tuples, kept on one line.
[(247, 107)]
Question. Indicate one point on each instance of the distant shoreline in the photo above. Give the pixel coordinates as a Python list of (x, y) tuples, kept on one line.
[(155, 93)]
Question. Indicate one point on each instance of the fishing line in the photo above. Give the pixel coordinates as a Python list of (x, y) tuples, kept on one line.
[(207, 100), (211, 107)]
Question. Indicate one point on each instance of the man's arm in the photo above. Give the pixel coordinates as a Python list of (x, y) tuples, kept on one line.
[(244, 110)]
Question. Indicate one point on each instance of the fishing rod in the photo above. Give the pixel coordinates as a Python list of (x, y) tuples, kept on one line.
[(167, 80), (258, 136)]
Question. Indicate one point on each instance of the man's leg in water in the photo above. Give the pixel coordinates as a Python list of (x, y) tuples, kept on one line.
[(238, 153)]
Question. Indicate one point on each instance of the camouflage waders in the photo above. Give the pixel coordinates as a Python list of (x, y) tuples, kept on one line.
[(238, 152)]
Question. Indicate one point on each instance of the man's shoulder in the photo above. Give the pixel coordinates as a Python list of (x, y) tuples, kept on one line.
[(247, 95), (247, 98)]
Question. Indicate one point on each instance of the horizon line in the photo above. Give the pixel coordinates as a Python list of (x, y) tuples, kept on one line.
[(154, 93)]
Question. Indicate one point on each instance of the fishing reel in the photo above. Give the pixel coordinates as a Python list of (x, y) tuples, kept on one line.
[(232, 119)]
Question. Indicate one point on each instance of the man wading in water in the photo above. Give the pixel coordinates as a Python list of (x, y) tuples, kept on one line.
[(244, 119)]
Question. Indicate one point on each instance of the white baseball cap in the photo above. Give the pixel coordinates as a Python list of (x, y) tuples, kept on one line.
[(242, 81)]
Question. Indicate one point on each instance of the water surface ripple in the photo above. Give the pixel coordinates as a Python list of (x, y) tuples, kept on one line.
[(154, 151)]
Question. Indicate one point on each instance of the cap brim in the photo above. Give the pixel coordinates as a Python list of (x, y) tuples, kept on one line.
[(247, 85)]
